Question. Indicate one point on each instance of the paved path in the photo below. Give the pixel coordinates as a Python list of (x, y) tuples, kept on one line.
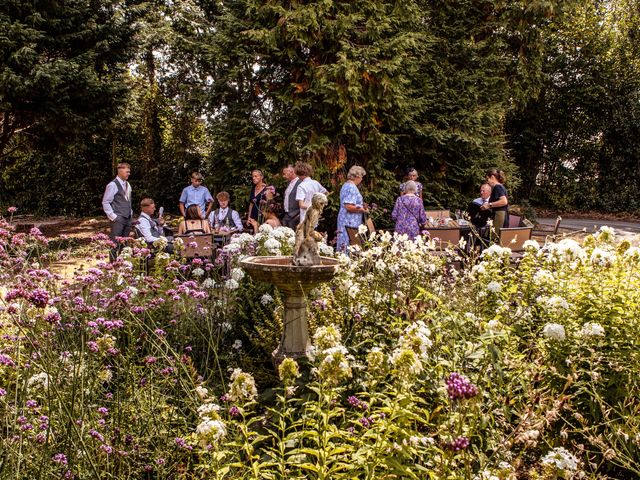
[(622, 228)]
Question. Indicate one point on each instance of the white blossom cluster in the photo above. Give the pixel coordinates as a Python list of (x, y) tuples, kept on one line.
[(566, 250), (602, 257), (555, 303), (333, 356), (592, 330), (242, 386), (554, 331), (412, 350), (561, 459)]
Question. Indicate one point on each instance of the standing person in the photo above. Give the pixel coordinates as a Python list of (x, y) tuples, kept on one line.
[(307, 188), (224, 219), (116, 203), (408, 212), (477, 216), (351, 206), (498, 201), (256, 196), (196, 194), (291, 206), (412, 175), (150, 228)]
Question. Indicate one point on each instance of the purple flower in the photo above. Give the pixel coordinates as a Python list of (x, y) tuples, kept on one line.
[(32, 404), (6, 360), (459, 387), (182, 443), (106, 448), (93, 346), (39, 297), (104, 411), (97, 435), (458, 444), (234, 411), (3, 392), (60, 458)]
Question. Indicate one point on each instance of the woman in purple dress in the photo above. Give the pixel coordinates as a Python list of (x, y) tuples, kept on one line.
[(408, 212)]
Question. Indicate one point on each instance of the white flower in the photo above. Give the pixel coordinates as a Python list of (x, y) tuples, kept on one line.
[(209, 283), (278, 233), (362, 229), (133, 291), (494, 326), (242, 387), (496, 250), (272, 245), (603, 258), (211, 431), (231, 284), (561, 459), (265, 228), (592, 330), (494, 287), (41, 378), (266, 299), (237, 344), (554, 331), (632, 253), (226, 326), (202, 392), (237, 274), (531, 244), (325, 249), (197, 272), (207, 409), (542, 276)]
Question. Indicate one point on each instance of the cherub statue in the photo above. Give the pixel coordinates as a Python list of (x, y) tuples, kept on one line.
[(306, 249)]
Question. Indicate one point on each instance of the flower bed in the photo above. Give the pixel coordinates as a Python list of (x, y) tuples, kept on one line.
[(418, 371)]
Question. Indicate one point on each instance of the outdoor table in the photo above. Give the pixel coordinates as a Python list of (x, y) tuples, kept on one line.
[(448, 233)]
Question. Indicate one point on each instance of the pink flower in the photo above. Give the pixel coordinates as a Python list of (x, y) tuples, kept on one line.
[(12, 210)]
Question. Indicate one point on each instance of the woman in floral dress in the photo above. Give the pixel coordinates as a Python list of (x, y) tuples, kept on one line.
[(351, 206), (408, 212)]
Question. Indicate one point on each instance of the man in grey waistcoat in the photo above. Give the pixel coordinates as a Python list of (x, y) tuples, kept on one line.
[(291, 206), (116, 203)]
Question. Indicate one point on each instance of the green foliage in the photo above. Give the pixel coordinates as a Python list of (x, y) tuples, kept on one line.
[(577, 142)]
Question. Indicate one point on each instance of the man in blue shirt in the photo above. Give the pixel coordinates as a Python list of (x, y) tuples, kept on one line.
[(196, 194)]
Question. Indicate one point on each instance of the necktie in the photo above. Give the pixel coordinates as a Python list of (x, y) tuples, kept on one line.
[(126, 190)]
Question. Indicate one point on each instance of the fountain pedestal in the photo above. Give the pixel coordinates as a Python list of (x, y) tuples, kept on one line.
[(294, 282)]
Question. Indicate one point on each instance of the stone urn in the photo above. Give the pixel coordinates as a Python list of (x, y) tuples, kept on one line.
[(294, 282)]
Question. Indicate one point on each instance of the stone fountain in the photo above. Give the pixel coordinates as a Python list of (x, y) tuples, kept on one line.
[(295, 277)]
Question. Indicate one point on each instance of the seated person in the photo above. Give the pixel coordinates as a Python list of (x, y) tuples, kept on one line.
[(477, 216), (269, 210), (193, 222), (224, 220), (150, 228)]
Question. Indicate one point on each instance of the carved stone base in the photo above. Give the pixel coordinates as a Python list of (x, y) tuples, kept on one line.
[(294, 342)]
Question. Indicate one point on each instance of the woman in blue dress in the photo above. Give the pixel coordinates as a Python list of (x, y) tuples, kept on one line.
[(351, 206)]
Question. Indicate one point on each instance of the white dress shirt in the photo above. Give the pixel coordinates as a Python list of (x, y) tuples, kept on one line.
[(145, 227), (110, 192), (307, 188)]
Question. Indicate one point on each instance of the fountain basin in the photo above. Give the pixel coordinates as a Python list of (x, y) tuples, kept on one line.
[(294, 282)]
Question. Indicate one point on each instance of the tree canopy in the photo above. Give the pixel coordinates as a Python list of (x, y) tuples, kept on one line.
[(546, 90)]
